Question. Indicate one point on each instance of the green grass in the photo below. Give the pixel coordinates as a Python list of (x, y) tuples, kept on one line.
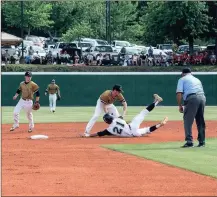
[(83, 114), (199, 160)]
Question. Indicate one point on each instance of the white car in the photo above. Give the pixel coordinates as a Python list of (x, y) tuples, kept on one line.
[(119, 44), (41, 51)]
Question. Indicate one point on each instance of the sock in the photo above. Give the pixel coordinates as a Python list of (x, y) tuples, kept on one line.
[(151, 107), (153, 128)]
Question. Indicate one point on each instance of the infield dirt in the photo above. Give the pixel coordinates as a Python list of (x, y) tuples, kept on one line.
[(67, 165)]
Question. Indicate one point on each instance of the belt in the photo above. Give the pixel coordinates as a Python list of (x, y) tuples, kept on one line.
[(194, 94), (26, 99)]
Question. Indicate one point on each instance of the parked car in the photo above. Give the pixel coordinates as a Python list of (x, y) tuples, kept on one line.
[(167, 48), (118, 45), (94, 42), (210, 48), (96, 50), (36, 40), (59, 46), (11, 49), (82, 45), (184, 48)]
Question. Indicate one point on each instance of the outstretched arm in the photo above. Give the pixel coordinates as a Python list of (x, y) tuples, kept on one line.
[(100, 134), (124, 103)]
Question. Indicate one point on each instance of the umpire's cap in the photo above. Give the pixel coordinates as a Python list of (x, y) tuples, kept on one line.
[(28, 74), (108, 118), (186, 70), (118, 88)]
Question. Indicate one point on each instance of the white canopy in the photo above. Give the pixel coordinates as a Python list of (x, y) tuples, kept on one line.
[(8, 39)]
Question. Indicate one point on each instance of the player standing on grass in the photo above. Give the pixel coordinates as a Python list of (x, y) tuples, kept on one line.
[(105, 104), (27, 89), (54, 94), (119, 127)]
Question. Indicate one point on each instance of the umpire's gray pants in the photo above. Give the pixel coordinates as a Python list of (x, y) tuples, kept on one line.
[(194, 109)]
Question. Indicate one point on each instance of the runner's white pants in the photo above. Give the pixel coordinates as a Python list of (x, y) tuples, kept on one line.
[(98, 111), (52, 101), (136, 122), (26, 105)]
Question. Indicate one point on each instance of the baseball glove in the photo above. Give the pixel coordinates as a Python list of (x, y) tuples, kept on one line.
[(36, 105), (58, 97)]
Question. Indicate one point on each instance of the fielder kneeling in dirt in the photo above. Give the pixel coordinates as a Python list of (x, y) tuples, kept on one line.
[(118, 126)]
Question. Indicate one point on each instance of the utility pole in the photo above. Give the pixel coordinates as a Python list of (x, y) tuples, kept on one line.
[(108, 21), (21, 5)]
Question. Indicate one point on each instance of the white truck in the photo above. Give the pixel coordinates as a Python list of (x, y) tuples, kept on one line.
[(57, 49)]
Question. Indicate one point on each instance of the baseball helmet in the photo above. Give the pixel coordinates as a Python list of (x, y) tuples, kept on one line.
[(28, 74), (108, 118)]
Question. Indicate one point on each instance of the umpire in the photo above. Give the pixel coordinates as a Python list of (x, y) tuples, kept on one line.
[(191, 90)]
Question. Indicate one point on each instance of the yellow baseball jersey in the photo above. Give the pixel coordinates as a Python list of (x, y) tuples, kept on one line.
[(106, 97), (52, 88), (28, 90)]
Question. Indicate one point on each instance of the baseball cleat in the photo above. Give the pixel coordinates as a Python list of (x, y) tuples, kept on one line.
[(30, 131), (86, 135), (157, 98), (13, 128), (164, 121)]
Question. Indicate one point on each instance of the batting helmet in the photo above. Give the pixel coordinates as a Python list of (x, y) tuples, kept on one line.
[(108, 118)]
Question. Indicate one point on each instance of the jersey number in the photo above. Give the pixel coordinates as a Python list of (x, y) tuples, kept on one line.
[(118, 130)]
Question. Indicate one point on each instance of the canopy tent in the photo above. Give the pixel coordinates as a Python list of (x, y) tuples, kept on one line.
[(8, 39)]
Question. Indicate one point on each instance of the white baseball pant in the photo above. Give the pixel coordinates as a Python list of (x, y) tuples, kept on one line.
[(26, 105), (98, 111), (52, 101)]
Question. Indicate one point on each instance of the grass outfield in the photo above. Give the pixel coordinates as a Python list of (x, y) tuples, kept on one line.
[(83, 114), (200, 160)]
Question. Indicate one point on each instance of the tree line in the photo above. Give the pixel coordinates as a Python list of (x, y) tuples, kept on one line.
[(139, 22)]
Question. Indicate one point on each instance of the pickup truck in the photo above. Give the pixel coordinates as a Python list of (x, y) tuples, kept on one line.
[(59, 46), (103, 49)]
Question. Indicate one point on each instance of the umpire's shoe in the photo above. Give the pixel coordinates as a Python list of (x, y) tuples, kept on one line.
[(188, 145)]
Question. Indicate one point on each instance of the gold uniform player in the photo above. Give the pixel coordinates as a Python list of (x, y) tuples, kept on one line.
[(54, 94), (119, 127), (27, 89), (105, 104)]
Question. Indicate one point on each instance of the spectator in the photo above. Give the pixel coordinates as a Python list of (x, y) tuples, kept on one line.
[(106, 60), (7, 57), (134, 59), (76, 57), (65, 59), (58, 60), (36, 58), (99, 59), (89, 59), (150, 51), (142, 58), (212, 58), (49, 57)]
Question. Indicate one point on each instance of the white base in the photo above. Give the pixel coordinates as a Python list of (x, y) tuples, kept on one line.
[(38, 137)]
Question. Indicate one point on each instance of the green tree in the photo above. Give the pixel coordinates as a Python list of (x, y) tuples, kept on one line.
[(36, 14), (78, 31), (176, 20)]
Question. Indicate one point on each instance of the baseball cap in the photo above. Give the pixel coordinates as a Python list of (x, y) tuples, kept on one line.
[(53, 81), (118, 88), (28, 73), (186, 70)]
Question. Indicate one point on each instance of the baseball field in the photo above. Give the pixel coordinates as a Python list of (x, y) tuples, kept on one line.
[(67, 165)]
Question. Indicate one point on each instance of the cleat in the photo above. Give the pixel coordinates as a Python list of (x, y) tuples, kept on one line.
[(157, 98), (30, 131), (86, 135), (164, 121), (201, 145), (13, 128), (53, 111), (188, 145)]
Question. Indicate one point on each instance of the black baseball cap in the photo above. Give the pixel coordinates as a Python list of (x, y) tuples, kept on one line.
[(118, 88), (28, 73), (186, 70)]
